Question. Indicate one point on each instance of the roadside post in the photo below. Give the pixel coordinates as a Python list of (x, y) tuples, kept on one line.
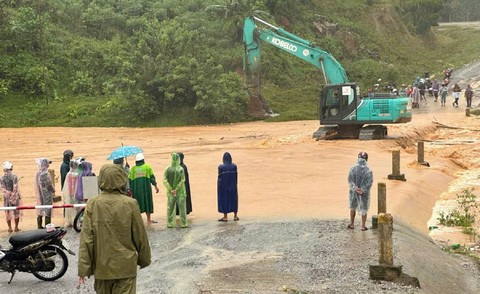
[(385, 269), (396, 175), (382, 203)]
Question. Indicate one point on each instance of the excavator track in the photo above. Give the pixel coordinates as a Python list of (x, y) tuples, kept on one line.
[(326, 133), (373, 132)]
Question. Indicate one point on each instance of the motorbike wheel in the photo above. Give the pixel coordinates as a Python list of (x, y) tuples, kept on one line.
[(78, 221), (60, 260)]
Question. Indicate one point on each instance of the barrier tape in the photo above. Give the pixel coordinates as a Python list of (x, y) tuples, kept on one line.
[(22, 207)]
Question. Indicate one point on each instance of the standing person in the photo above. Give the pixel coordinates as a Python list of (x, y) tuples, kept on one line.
[(360, 180), (435, 89), (415, 97), (456, 94), (421, 89), (11, 195), (69, 191), (141, 181), (174, 182), (187, 184), (443, 94), (126, 168), (469, 95), (86, 171), (65, 166), (113, 239), (227, 190), (44, 191), (403, 90)]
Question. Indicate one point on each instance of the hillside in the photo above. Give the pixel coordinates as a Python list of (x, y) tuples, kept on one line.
[(151, 63)]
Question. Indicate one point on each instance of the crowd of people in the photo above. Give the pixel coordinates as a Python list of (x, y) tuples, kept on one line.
[(416, 91), (140, 181)]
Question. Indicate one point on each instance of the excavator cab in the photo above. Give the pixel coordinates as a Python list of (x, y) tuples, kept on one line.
[(337, 102)]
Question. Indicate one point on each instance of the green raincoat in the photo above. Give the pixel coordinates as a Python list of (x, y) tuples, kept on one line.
[(174, 182), (113, 239), (141, 181)]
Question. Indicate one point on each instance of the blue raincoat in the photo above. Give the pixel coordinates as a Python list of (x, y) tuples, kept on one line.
[(227, 191)]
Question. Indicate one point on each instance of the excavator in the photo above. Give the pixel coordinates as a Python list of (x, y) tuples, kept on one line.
[(342, 111)]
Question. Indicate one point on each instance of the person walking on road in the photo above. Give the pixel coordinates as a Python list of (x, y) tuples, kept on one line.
[(227, 190), (443, 94), (11, 195), (113, 241), (456, 94), (435, 89), (174, 182), (469, 95), (360, 180), (141, 181)]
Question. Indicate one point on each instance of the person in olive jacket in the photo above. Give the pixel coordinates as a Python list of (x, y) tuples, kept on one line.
[(113, 241)]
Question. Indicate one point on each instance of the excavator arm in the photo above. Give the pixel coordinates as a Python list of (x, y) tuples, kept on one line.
[(332, 70)]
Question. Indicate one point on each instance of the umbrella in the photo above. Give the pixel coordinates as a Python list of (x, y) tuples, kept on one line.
[(124, 151)]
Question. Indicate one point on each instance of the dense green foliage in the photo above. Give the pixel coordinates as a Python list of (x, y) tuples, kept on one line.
[(151, 62), (460, 10)]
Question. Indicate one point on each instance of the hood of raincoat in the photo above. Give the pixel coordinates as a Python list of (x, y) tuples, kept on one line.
[(362, 161), (73, 165), (171, 173), (112, 178), (175, 160), (227, 158), (86, 168), (43, 163), (67, 155)]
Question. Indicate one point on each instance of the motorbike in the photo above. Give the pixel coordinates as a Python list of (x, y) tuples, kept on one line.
[(78, 220), (38, 252)]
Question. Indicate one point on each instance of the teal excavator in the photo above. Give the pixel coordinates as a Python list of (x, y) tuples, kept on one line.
[(342, 112)]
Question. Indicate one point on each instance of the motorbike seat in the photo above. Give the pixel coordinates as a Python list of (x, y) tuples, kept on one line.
[(25, 238)]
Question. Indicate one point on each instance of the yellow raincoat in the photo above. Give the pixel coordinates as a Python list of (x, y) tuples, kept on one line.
[(113, 239)]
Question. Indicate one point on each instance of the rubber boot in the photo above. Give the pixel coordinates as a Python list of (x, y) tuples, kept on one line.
[(39, 222), (47, 220)]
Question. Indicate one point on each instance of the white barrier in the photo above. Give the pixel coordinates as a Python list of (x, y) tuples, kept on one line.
[(22, 207)]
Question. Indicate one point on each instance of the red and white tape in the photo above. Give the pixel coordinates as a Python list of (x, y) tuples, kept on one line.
[(22, 207)]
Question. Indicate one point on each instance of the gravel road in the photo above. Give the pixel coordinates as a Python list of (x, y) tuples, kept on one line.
[(268, 256)]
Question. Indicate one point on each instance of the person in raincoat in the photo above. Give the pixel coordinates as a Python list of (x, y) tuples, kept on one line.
[(187, 185), (360, 180), (69, 191), (227, 191), (141, 181), (65, 166), (11, 195), (113, 241), (44, 191), (174, 182), (84, 170), (126, 168)]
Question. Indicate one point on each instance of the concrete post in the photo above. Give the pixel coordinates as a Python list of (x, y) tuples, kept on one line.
[(382, 198), (385, 269), (385, 241), (420, 151), (382, 203), (396, 175)]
